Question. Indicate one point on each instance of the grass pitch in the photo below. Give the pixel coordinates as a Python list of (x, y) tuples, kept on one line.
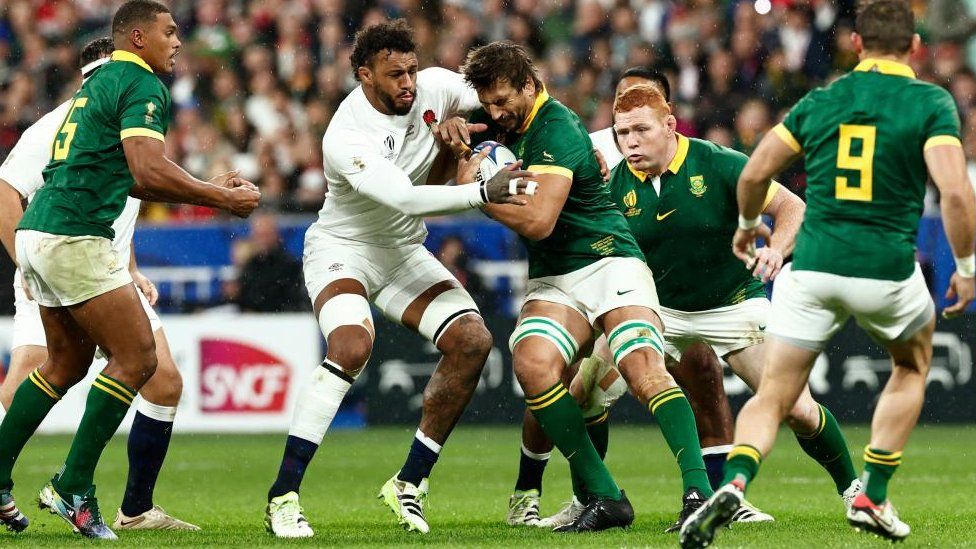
[(220, 483)]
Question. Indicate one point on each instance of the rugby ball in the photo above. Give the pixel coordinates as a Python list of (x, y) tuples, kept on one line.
[(497, 158)]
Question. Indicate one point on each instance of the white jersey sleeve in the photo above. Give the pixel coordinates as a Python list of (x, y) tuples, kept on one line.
[(605, 142), (457, 96), (24, 165), (352, 158)]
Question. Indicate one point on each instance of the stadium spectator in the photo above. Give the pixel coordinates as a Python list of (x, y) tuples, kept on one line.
[(453, 254), (270, 281)]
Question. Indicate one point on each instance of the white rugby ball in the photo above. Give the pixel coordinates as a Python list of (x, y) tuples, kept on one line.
[(497, 158)]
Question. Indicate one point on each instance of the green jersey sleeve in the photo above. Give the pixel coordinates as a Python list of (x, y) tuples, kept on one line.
[(144, 108), (559, 149), (791, 130), (942, 125)]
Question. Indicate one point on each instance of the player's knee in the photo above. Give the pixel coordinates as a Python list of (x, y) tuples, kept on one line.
[(804, 416), (167, 386), (533, 362), (350, 347), (471, 339)]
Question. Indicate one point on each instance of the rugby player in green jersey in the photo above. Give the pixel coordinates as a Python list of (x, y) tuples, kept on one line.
[(110, 145), (597, 385), (870, 140), (586, 272), (678, 195)]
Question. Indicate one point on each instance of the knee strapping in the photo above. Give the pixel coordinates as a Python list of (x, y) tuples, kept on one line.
[(345, 310), (549, 330), (631, 335), (443, 310), (603, 383)]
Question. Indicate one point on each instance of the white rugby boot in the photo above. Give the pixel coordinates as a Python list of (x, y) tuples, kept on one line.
[(567, 515), (285, 518), (852, 491), (523, 508), (407, 503), (882, 520)]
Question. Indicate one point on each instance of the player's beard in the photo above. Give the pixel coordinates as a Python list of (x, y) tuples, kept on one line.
[(390, 102)]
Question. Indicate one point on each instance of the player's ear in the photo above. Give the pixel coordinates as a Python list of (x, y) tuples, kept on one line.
[(672, 123), (916, 44), (858, 43), (365, 75)]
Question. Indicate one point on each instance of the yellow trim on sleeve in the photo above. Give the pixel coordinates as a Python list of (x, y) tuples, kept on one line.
[(938, 140), (774, 188), (885, 66), (123, 55), (680, 154), (540, 100), (787, 136), (545, 168), (141, 132)]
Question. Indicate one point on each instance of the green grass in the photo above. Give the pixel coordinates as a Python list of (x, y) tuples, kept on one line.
[(220, 482)]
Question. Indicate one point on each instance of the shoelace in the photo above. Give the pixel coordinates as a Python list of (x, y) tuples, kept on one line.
[(293, 512)]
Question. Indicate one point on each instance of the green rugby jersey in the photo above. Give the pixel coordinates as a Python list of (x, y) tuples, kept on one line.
[(686, 231), (864, 137), (87, 181), (553, 141)]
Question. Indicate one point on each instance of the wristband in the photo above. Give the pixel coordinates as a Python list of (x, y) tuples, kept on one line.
[(749, 224), (966, 266)]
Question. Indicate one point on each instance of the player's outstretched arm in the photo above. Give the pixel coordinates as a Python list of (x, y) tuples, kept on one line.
[(537, 219), (11, 210), (770, 157), (381, 180), (947, 166), (159, 179)]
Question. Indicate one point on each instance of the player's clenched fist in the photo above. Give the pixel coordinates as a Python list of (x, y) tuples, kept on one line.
[(242, 200)]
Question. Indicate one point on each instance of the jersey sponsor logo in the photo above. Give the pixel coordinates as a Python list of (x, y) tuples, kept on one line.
[(547, 157), (239, 377), (150, 109), (697, 185), (662, 217), (630, 200), (389, 144), (358, 163)]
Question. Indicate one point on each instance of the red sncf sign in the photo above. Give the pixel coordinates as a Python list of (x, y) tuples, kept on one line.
[(236, 377)]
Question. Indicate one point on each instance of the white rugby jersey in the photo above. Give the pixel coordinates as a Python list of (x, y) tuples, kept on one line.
[(24, 165), (603, 141), (377, 165)]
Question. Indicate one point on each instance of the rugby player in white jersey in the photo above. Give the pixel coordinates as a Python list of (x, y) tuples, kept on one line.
[(20, 177), (367, 247)]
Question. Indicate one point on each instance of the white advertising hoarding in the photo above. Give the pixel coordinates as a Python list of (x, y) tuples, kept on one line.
[(241, 372)]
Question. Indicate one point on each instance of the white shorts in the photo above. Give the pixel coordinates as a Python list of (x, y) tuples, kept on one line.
[(393, 278), (725, 329), (28, 329), (66, 270), (809, 307), (608, 284)]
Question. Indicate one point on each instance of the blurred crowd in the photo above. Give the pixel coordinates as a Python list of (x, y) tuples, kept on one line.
[(258, 80)]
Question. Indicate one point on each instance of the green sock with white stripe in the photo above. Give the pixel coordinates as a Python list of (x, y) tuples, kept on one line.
[(677, 421)]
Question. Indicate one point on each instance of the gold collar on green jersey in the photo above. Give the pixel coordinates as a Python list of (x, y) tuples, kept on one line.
[(540, 99), (122, 55), (680, 154), (885, 66)]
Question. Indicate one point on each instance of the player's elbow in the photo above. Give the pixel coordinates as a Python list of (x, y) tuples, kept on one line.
[(539, 229), (957, 200)]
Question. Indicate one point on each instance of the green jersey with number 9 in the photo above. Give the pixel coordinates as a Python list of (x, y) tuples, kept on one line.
[(864, 137), (88, 179)]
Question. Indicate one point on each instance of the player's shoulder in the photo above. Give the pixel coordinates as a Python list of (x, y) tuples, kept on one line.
[(713, 152), (557, 122)]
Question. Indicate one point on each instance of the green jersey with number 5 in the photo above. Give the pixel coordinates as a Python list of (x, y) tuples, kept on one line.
[(864, 137), (88, 179)]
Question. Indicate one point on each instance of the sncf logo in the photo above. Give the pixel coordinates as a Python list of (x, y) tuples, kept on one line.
[(235, 377)]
